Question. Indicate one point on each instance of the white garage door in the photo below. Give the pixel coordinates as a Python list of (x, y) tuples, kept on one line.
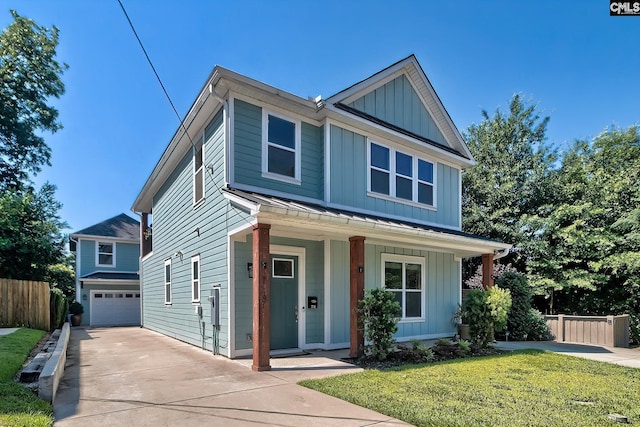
[(115, 308)]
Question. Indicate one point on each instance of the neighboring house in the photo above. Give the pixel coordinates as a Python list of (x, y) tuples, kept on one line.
[(107, 265), (288, 207)]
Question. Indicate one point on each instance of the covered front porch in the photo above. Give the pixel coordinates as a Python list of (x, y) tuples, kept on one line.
[(333, 255)]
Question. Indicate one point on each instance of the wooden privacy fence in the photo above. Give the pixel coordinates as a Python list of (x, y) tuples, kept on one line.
[(610, 331), (24, 303)]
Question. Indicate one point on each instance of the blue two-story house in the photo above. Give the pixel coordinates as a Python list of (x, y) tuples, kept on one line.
[(273, 213), (107, 278)]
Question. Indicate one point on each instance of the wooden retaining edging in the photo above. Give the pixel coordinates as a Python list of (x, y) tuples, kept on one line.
[(608, 331)]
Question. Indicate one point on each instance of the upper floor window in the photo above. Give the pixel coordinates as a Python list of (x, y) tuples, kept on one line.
[(280, 148), (404, 277), (198, 171), (106, 253), (400, 175), (195, 278), (167, 281)]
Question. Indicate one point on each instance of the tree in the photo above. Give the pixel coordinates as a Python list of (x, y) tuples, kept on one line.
[(30, 238), (29, 76), (510, 180), (592, 261)]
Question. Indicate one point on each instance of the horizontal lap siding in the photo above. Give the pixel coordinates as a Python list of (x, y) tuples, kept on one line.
[(247, 150), (349, 171), (127, 258), (397, 103), (175, 220)]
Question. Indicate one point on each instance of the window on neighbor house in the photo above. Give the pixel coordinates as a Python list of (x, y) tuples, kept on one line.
[(404, 277), (400, 175), (195, 278), (198, 172), (281, 148), (167, 281), (105, 253)]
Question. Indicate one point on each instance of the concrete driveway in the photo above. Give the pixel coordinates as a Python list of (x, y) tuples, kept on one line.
[(136, 377)]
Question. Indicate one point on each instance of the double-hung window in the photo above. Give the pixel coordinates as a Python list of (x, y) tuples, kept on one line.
[(400, 175), (404, 276), (195, 278), (105, 254), (280, 148), (167, 281), (198, 171)]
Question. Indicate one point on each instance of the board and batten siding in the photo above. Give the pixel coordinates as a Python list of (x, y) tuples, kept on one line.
[(442, 290), (179, 226), (349, 165), (396, 102), (127, 257), (247, 122), (314, 286)]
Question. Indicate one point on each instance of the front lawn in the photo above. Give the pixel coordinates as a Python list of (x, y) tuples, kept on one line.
[(19, 406), (530, 387)]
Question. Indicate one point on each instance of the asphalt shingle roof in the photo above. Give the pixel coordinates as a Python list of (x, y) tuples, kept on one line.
[(120, 227)]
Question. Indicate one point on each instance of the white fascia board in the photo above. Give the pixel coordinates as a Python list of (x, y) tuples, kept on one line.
[(109, 282), (253, 208), (352, 226), (103, 239)]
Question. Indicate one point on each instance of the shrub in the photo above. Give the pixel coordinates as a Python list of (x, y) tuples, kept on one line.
[(486, 311), (58, 308), (537, 329), (523, 323), (379, 314), (76, 308)]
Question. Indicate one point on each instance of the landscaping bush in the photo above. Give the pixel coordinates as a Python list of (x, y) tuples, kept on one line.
[(486, 311), (379, 314), (524, 323), (59, 307)]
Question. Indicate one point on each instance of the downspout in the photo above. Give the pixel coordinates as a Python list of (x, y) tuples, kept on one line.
[(501, 253), (140, 287)]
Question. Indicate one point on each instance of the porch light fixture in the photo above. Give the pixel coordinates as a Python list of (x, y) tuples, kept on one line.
[(250, 269)]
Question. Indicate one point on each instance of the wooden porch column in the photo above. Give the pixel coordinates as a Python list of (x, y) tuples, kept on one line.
[(261, 292), (356, 293), (487, 270)]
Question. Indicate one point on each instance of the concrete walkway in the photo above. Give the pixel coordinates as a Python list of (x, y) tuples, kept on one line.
[(136, 377), (621, 356), (7, 331)]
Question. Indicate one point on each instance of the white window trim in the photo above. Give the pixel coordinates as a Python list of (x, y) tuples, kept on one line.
[(265, 148), (113, 253), (293, 268), (196, 298), (165, 283), (415, 157), (406, 259), (194, 171)]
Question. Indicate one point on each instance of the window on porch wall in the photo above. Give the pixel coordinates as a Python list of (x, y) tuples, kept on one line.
[(404, 277)]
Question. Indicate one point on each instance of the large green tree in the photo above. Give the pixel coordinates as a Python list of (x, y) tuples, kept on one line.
[(31, 241), (29, 76), (511, 179), (591, 261)]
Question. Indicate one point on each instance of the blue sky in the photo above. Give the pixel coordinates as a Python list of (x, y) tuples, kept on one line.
[(575, 61)]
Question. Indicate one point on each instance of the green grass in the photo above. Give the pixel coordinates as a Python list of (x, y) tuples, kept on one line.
[(19, 406), (525, 388)]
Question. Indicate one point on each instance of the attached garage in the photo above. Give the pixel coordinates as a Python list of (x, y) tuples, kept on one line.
[(115, 308)]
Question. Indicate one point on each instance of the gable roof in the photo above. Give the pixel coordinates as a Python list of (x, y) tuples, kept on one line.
[(411, 69), (121, 227)]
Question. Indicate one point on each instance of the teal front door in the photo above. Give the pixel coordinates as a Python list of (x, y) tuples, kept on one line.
[(284, 302)]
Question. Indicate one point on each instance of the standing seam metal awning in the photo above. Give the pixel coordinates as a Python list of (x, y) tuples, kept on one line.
[(286, 215)]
